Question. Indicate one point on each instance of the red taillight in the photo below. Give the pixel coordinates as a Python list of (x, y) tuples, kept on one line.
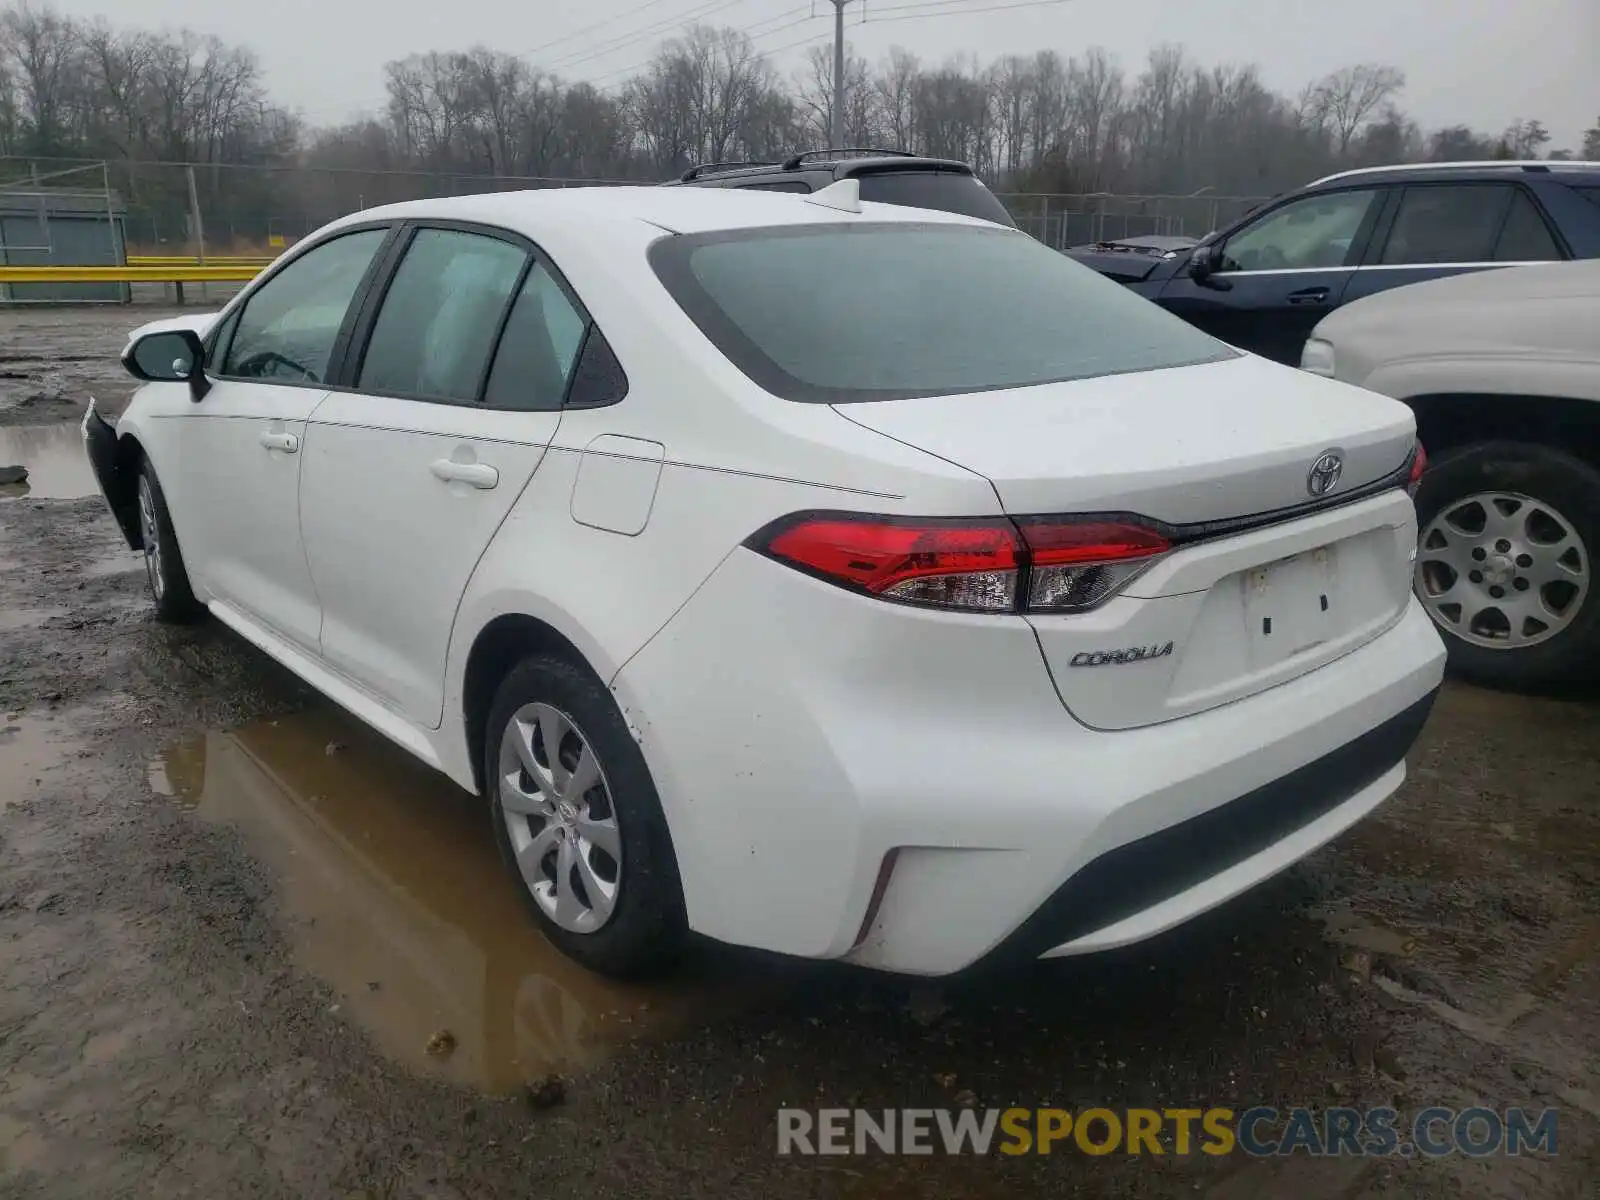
[(952, 564), (1419, 464), (976, 565)]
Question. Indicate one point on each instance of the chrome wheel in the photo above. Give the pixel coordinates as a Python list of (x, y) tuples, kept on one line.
[(558, 812), (1502, 570), (150, 534)]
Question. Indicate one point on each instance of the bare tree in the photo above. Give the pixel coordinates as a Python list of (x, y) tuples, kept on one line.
[(1525, 139), (1349, 96), (40, 50)]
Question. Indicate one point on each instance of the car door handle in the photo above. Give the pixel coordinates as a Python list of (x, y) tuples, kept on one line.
[(1310, 295), (287, 442), (478, 475)]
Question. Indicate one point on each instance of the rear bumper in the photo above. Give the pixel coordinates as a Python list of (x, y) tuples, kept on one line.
[(1147, 886), (799, 734), (115, 481)]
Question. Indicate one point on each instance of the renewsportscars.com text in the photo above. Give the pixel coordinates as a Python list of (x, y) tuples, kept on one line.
[(1261, 1131)]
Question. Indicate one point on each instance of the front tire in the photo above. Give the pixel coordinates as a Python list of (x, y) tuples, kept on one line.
[(1507, 531), (163, 561), (578, 822)]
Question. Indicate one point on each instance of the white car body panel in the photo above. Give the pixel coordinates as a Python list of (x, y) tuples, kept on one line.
[(1522, 331), (240, 500), (377, 462), (797, 732), (1190, 444)]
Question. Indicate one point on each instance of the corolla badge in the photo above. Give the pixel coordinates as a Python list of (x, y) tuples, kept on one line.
[(1325, 472)]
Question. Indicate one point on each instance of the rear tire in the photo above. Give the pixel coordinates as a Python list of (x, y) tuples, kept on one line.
[(578, 822), (163, 561), (1504, 566)]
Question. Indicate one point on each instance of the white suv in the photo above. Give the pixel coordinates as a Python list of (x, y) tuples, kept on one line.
[(842, 579)]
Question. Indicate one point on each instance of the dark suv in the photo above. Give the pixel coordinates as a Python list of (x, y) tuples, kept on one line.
[(887, 176), (1264, 282)]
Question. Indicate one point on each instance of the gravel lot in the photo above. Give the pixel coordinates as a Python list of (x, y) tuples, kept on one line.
[(248, 949)]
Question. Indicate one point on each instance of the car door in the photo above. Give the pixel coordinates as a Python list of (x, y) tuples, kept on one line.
[(409, 473), (239, 449), (1439, 229), (1280, 273)]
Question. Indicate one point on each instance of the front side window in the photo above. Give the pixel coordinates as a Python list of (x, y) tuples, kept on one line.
[(538, 348), (217, 344), (439, 318), (1312, 233), (878, 311), (1446, 224), (288, 327)]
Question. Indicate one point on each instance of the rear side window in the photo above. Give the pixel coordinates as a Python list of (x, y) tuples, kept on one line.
[(787, 185), (1591, 194), (538, 348), (877, 311), (437, 324), (1446, 224), (942, 191), (1525, 238)]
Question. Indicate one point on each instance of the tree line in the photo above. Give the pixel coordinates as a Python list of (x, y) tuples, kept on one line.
[(1044, 122)]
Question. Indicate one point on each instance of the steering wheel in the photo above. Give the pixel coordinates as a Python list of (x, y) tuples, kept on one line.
[(255, 366), (1270, 258)]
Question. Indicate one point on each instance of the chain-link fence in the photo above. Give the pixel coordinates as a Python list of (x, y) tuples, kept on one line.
[(1073, 220), (225, 211)]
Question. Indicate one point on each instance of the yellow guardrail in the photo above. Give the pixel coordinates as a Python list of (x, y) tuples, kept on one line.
[(212, 260), (176, 273)]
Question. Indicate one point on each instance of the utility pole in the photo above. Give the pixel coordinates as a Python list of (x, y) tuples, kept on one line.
[(836, 134)]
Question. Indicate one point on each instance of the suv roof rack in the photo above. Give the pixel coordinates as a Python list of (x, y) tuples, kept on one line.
[(1535, 165), (712, 168), (793, 162)]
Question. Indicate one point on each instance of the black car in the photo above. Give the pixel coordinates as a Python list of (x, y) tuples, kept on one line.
[(1264, 282), (887, 176), (1130, 259)]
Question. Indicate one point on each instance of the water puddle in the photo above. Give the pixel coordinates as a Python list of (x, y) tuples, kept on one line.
[(58, 468), (398, 900), (31, 747)]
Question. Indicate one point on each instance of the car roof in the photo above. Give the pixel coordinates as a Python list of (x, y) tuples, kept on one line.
[(1567, 171), (674, 210)]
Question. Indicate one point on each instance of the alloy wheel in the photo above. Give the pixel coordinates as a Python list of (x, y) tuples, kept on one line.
[(150, 533), (1502, 570), (557, 807)]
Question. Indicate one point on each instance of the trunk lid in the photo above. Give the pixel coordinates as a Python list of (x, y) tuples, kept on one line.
[(1201, 443), (1227, 612)]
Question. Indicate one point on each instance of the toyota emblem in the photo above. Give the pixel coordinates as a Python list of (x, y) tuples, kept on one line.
[(1325, 472)]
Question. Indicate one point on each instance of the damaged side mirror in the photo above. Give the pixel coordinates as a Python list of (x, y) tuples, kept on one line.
[(169, 356)]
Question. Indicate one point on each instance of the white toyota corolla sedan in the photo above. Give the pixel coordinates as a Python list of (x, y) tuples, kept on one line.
[(846, 580)]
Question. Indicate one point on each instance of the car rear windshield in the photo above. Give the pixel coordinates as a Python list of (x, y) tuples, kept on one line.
[(877, 311), (942, 191)]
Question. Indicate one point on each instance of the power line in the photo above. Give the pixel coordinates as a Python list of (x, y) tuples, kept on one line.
[(629, 70), (955, 12), (679, 20), (805, 41), (591, 28)]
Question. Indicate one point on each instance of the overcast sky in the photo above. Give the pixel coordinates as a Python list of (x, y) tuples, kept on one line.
[(1479, 62)]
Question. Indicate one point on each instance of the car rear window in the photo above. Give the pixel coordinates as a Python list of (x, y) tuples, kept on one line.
[(942, 191), (878, 311)]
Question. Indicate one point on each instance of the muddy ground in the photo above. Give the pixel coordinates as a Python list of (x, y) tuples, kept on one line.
[(247, 949)]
